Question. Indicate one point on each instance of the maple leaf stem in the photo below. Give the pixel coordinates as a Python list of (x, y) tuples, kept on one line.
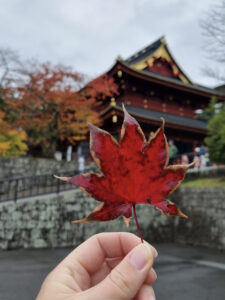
[(138, 226)]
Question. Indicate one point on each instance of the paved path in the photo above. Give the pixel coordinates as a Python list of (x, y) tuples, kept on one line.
[(184, 272)]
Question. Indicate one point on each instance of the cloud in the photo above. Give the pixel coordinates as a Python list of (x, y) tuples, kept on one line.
[(88, 35)]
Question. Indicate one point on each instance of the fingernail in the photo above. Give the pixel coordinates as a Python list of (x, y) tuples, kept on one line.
[(140, 256), (155, 252), (153, 274), (152, 297)]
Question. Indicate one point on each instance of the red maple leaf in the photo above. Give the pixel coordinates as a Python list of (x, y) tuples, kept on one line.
[(133, 171)]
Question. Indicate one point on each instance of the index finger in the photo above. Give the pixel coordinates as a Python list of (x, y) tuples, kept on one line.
[(92, 253)]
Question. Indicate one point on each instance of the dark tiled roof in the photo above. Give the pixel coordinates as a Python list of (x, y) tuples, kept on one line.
[(220, 88), (169, 118), (164, 76), (142, 54), (205, 87), (194, 87)]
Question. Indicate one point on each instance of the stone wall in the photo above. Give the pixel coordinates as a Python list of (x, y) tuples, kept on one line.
[(45, 221), (26, 166), (206, 223)]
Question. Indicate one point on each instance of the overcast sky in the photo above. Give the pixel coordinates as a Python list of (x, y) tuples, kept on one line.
[(88, 35)]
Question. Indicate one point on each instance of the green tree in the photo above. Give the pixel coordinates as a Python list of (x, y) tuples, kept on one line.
[(216, 137), (210, 111)]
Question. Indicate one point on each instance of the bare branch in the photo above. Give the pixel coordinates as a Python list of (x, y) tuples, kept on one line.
[(213, 30), (11, 67), (214, 73)]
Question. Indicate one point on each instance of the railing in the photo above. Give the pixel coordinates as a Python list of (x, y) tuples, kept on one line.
[(28, 186), (187, 158)]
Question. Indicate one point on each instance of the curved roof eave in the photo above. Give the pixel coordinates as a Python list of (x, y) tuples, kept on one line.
[(171, 119), (189, 87)]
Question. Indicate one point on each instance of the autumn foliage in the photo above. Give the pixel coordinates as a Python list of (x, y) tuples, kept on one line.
[(53, 105), (12, 141), (133, 171)]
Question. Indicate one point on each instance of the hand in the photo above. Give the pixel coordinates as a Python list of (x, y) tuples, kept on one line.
[(108, 266)]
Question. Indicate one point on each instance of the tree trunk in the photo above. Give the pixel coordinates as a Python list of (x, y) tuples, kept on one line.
[(49, 150)]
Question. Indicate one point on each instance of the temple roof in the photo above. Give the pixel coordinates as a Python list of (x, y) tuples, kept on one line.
[(144, 65), (157, 58), (144, 53), (157, 115), (165, 80)]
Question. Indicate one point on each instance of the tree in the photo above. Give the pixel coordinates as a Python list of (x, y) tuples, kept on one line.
[(11, 68), (213, 28), (216, 137), (208, 113), (12, 141), (52, 106)]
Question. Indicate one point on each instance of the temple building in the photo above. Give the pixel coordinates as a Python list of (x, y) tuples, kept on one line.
[(152, 85)]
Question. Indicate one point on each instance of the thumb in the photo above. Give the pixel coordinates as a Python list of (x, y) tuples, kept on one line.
[(126, 278)]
